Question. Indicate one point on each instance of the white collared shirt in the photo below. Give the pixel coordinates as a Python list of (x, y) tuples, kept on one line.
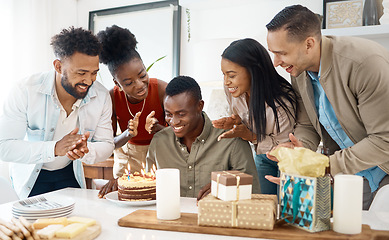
[(65, 125)]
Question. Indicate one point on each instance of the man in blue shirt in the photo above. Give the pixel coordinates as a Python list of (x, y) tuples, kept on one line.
[(54, 121)]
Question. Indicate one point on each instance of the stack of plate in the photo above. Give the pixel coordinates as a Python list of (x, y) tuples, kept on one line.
[(43, 207)]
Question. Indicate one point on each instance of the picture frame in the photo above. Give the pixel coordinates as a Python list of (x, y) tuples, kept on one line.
[(342, 13), (157, 28)]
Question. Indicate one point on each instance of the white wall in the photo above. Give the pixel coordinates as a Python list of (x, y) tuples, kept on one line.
[(216, 23), (85, 6), (213, 25), (5, 49), (27, 28)]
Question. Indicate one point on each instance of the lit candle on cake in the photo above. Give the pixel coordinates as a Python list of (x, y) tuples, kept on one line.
[(142, 171), (348, 192), (153, 170), (143, 167), (128, 172), (168, 194)]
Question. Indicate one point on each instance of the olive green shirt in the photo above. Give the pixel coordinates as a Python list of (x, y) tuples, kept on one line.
[(207, 155)]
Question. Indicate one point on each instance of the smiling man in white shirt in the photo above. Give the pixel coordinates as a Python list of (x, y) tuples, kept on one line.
[(54, 121)]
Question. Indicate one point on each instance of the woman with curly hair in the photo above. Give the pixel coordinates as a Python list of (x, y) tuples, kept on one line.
[(263, 104), (136, 101)]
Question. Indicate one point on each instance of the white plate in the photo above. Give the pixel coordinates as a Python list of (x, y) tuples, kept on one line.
[(34, 217), (113, 197), (53, 204), (42, 213)]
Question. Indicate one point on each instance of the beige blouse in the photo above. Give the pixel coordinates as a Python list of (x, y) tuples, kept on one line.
[(239, 107)]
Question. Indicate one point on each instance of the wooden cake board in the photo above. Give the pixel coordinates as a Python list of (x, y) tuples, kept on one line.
[(188, 223)]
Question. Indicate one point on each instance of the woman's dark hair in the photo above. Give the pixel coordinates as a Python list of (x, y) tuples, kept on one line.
[(267, 86), (119, 46)]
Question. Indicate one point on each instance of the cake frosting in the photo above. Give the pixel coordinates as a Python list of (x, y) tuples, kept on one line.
[(136, 187)]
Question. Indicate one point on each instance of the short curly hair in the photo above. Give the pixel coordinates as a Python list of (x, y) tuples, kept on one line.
[(72, 40), (181, 84)]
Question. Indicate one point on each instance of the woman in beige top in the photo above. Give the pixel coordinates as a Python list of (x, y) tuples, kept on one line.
[(262, 103)]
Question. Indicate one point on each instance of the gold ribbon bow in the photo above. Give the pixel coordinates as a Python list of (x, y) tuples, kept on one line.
[(234, 209)]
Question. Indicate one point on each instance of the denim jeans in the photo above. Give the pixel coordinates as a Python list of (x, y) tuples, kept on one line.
[(265, 167), (368, 196)]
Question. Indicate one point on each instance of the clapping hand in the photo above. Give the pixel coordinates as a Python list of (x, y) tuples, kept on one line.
[(235, 126), (80, 149), (133, 125), (227, 122), (73, 145), (151, 123), (239, 130)]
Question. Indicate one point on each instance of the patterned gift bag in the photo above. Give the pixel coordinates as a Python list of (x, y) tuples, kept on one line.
[(305, 202)]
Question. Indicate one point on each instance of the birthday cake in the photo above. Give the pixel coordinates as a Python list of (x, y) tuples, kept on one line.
[(136, 187)]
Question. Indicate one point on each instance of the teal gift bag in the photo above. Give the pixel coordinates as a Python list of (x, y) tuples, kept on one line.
[(305, 202)]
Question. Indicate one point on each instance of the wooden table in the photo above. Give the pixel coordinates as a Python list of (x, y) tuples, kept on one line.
[(188, 222), (107, 213), (101, 170)]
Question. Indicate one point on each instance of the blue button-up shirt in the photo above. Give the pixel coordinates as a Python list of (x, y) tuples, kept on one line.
[(330, 122), (28, 124)]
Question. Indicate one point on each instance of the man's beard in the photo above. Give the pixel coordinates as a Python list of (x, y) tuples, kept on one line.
[(72, 90)]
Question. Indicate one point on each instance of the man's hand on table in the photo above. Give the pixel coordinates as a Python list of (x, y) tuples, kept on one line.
[(294, 142), (204, 191), (111, 186)]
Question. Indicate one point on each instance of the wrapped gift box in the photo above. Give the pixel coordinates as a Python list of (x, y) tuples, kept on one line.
[(259, 212), (305, 202), (231, 185)]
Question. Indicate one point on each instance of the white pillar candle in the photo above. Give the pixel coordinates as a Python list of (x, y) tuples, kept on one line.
[(348, 193), (168, 194)]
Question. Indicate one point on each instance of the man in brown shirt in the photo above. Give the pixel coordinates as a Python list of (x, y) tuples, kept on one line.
[(343, 86), (190, 142)]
